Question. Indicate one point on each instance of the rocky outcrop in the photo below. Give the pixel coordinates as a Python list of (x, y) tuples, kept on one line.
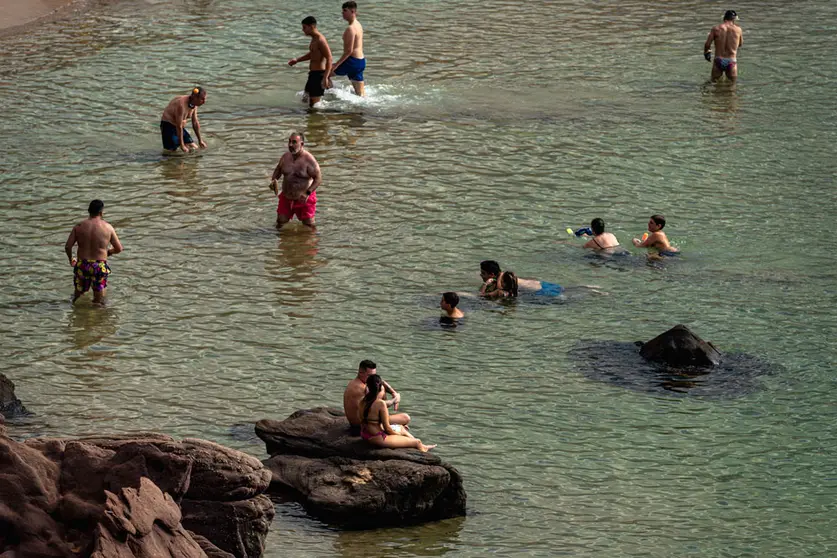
[(10, 406), (136, 495), (680, 347), (346, 481)]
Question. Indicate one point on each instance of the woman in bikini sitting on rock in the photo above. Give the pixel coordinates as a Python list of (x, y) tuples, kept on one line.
[(374, 425)]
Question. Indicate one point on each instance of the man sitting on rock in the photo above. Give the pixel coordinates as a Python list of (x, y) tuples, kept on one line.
[(357, 389)]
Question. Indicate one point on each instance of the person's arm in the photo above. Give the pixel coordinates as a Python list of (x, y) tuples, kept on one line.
[(327, 55), (707, 46), (383, 414), (116, 246), (196, 126), (277, 172), (348, 44), (315, 175), (740, 38), (647, 243), (485, 286), (396, 397), (303, 58), (591, 244), (68, 246)]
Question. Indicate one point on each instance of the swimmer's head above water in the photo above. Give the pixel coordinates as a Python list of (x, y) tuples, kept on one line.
[(489, 269), (730, 15), (656, 223), (197, 97)]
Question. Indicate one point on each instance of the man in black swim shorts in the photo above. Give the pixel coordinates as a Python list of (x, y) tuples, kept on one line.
[(319, 66), (173, 122)]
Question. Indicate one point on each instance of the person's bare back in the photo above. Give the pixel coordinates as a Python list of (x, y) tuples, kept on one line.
[(178, 112), (351, 400), (93, 236), (726, 39), (353, 39)]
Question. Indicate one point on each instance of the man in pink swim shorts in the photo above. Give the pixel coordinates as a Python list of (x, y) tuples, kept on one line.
[(301, 177)]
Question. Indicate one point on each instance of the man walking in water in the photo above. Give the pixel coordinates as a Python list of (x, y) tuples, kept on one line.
[(319, 67), (94, 235), (727, 37), (173, 121), (352, 63), (301, 177)]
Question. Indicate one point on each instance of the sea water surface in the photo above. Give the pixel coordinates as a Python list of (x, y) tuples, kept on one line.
[(489, 129)]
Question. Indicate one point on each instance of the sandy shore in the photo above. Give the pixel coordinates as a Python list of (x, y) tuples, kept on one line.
[(18, 15)]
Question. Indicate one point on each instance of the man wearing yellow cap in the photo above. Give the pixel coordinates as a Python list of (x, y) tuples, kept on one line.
[(173, 121)]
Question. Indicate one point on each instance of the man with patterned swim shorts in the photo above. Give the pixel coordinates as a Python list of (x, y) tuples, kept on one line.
[(727, 38), (352, 63), (96, 240), (301, 177)]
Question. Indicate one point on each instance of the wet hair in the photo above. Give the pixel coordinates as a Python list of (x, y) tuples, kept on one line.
[(310, 20), (730, 15), (490, 266), (451, 298), (299, 135), (660, 220), (597, 225), (351, 5), (508, 283), (95, 207), (367, 365), (374, 383)]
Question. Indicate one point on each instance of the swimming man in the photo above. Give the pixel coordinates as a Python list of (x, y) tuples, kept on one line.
[(357, 389), (173, 121), (319, 67), (727, 37), (449, 303), (657, 239), (301, 177), (352, 63), (96, 240)]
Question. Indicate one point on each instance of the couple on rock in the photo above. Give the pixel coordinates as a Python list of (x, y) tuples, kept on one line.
[(366, 406)]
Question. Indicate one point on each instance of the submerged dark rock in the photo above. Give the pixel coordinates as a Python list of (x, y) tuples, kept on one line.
[(675, 363), (122, 496), (679, 346), (10, 406), (346, 481)]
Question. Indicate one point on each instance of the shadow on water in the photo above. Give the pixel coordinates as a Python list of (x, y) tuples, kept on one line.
[(620, 364), (431, 539)]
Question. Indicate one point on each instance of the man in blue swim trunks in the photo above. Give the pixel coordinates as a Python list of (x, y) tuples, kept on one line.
[(173, 121), (727, 37), (352, 63)]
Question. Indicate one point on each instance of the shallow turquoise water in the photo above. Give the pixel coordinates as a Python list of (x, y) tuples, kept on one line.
[(488, 131)]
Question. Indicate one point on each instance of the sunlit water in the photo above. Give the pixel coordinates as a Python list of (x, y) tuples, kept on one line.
[(489, 129)]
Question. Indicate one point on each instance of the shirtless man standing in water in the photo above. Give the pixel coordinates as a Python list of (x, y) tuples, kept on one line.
[(94, 235), (173, 121), (352, 63), (727, 37), (320, 66), (301, 177)]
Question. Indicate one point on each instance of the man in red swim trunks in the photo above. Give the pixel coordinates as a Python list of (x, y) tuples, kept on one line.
[(301, 177), (96, 241)]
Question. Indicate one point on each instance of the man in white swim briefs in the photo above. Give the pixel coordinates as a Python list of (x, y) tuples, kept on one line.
[(727, 38)]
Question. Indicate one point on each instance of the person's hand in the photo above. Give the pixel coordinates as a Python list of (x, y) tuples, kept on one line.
[(274, 186), (708, 56), (636, 241), (326, 83), (396, 399), (73, 262), (185, 148), (292, 62), (203, 144)]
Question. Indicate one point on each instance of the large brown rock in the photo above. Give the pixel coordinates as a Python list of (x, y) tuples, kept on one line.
[(10, 405), (130, 496), (344, 480), (680, 347)]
